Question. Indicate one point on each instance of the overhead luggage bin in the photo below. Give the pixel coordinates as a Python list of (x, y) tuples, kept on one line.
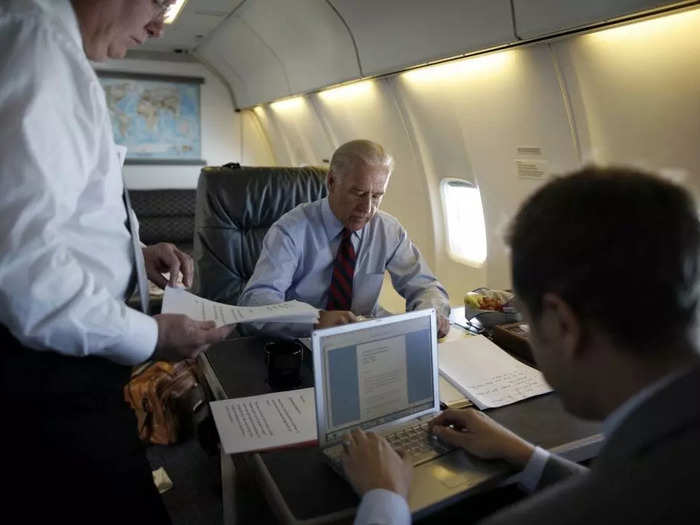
[(537, 18), (393, 35)]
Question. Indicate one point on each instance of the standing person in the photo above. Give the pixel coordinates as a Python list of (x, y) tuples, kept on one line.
[(333, 253), (66, 266), (594, 256)]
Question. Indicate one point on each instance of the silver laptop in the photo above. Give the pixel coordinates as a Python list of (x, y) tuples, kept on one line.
[(382, 375)]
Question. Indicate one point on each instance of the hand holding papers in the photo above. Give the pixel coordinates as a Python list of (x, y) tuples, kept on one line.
[(268, 421), (486, 374), (179, 301)]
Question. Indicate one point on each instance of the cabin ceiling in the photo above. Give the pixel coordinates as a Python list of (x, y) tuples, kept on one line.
[(198, 19), (270, 49)]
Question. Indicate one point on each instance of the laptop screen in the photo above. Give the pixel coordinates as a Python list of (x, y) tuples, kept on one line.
[(375, 373)]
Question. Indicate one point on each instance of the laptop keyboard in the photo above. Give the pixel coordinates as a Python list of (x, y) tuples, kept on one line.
[(418, 443), (415, 441)]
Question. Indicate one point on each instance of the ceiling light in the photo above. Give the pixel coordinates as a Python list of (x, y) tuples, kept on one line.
[(173, 11), (348, 91), (287, 103), (454, 69)]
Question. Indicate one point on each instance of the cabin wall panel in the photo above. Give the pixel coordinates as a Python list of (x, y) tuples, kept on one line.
[(431, 115), (471, 116), (279, 143), (221, 129), (296, 119), (256, 146), (635, 94)]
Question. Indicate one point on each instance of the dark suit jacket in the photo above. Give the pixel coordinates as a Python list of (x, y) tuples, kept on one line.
[(647, 472)]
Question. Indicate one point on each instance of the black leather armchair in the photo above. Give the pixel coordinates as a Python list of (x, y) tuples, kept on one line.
[(165, 216), (235, 207)]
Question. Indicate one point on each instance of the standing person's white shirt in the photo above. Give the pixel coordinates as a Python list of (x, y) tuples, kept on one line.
[(65, 255)]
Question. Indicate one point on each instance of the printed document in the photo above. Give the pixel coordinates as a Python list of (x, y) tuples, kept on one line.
[(180, 301), (381, 370), (281, 419), (486, 374)]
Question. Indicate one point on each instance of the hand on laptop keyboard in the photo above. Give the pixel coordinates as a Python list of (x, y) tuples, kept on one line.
[(417, 444), (480, 435), (371, 463)]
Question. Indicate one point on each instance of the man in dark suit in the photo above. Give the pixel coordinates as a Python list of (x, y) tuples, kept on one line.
[(606, 269)]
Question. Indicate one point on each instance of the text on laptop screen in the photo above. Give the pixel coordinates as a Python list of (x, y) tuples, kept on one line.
[(377, 375)]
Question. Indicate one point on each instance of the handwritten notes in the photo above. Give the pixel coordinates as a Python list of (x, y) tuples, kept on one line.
[(267, 421), (486, 374), (180, 301)]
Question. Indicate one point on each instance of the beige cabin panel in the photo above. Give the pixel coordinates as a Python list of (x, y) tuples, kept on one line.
[(534, 18), (394, 34), (635, 94)]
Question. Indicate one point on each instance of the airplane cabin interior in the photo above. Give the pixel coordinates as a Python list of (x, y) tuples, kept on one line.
[(232, 117)]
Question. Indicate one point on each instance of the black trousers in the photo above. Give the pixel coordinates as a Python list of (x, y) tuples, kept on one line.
[(70, 440)]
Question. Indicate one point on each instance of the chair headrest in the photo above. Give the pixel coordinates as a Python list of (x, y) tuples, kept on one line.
[(255, 197)]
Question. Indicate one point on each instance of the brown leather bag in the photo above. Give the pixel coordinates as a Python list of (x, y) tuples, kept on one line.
[(165, 397)]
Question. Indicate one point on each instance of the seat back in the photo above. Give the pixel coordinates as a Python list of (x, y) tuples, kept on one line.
[(235, 208), (165, 216)]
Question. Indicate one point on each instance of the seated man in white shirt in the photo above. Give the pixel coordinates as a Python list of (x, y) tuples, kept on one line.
[(333, 253), (594, 256)]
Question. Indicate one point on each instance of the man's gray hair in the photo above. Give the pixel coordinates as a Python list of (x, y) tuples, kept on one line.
[(365, 151)]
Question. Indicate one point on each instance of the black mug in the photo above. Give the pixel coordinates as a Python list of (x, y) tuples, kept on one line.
[(283, 360)]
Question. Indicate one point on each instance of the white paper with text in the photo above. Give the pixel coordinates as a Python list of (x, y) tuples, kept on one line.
[(486, 374), (180, 301), (381, 370), (281, 419)]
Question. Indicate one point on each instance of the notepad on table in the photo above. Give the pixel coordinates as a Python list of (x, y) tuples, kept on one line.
[(487, 375), (450, 396)]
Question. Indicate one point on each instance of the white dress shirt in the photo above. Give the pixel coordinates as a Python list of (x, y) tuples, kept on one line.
[(296, 262), (65, 254)]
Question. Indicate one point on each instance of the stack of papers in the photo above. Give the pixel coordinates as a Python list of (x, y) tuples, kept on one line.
[(267, 421), (180, 301), (450, 396), (487, 375)]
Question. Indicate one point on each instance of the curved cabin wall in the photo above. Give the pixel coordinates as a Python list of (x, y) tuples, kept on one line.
[(623, 95)]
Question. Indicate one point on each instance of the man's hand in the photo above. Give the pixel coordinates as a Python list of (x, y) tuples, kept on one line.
[(371, 463), (165, 257), (180, 337), (327, 318), (480, 435), (443, 326)]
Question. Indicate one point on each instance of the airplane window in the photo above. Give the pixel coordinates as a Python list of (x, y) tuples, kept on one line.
[(464, 218)]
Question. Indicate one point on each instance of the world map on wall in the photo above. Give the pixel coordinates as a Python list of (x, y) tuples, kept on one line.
[(154, 119)]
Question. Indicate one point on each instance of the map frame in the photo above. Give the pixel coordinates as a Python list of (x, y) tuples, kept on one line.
[(142, 81)]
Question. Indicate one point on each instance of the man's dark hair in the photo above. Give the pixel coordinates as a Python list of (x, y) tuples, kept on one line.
[(621, 247)]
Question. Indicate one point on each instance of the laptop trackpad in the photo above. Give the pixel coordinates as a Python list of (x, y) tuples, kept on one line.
[(449, 475)]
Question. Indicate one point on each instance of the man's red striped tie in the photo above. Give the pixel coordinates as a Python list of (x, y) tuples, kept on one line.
[(340, 290)]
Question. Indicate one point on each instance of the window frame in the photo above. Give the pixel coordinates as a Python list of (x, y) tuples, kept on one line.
[(444, 185)]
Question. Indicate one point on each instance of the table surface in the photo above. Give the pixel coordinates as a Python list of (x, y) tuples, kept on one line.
[(309, 488)]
